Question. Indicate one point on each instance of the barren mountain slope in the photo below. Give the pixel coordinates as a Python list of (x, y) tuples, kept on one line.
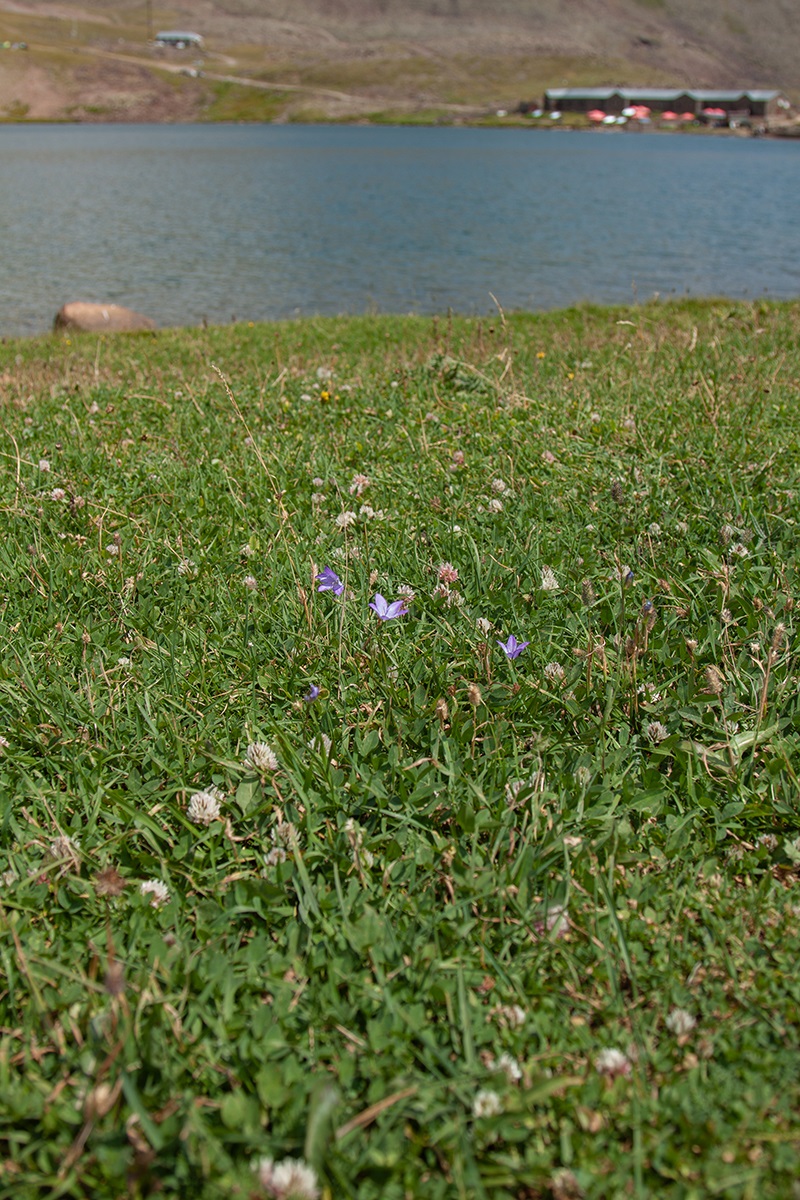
[(345, 58)]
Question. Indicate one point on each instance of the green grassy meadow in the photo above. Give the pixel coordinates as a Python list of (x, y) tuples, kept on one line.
[(518, 928)]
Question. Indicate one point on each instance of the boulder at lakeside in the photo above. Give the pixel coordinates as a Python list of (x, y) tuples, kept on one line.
[(83, 317)]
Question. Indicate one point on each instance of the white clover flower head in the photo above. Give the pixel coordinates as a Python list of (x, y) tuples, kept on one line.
[(204, 807), (769, 841), (486, 1104), (284, 833), (261, 757), (246, 550), (112, 550), (510, 1016), (359, 484), (739, 550), (726, 533), (682, 527), (554, 672), (4, 744), (509, 1066), (251, 583), (448, 595), (498, 485), (549, 581), (317, 482), (320, 744), (123, 661), (345, 518), (367, 511), (611, 1063), (187, 567), (657, 732), (276, 855), (447, 573), (318, 499), (554, 919), (407, 592), (495, 505), (354, 832), (58, 494), (65, 847), (484, 625), (7, 878), (156, 890), (290, 1179), (629, 423), (324, 373), (44, 465), (680, 1022), (583, 776)]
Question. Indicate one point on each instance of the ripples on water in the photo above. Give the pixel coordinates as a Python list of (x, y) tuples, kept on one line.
[(198, 222)]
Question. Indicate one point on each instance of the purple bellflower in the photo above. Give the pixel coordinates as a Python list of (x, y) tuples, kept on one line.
[(329, 581), (387, 611), (512, 648), (311, 694)]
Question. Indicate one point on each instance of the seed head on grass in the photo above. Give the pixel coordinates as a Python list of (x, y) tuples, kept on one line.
[(109, 882), (549, 581), (715, 682)]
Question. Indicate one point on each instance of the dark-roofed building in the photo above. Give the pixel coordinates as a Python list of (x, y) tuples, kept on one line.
[(755, 103)]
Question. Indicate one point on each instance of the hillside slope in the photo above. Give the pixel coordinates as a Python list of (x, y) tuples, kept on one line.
[(344, 58)]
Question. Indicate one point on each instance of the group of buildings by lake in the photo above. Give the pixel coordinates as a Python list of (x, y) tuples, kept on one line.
[(732, 107)]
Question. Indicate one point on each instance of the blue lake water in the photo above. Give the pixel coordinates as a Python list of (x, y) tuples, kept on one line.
[(196, 222)]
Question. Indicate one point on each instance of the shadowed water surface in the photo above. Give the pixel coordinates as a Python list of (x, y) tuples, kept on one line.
[(193, 222)]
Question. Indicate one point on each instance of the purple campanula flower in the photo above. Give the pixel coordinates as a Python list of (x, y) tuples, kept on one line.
[(512, 648), (329, 581), (311, 694), (387, 611)]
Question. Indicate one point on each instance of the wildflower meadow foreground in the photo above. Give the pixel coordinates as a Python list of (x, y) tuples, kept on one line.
[(399, 725)]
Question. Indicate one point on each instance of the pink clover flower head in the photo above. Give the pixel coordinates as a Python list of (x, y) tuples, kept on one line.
[(512, 648), (387, 611), (329, 581)]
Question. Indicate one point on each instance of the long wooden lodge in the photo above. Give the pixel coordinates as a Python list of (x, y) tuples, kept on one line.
[(741, 104)]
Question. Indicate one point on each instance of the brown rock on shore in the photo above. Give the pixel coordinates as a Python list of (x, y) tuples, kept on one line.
[(83, 317)]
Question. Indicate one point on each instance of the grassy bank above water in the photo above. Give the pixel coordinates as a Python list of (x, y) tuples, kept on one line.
[(489, 926)]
